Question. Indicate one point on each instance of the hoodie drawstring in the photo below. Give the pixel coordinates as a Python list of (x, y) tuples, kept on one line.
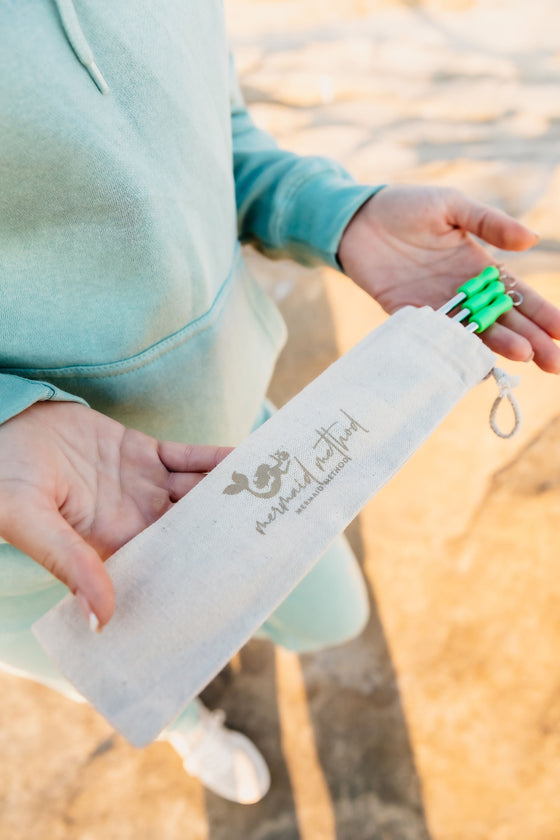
[(78, 42)]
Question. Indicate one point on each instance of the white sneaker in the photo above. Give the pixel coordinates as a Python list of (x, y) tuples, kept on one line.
[(226, 762)]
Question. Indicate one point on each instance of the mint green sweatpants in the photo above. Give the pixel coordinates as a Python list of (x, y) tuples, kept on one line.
[(328, 607)]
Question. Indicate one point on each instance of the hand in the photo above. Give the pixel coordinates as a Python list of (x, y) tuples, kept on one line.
[(413, 245), (76, 485)]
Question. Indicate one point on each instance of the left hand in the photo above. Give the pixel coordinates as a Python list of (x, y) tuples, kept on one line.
[(412, 245), (76, 485)]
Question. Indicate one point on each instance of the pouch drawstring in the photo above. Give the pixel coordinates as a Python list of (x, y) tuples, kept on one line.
[(505, 383)]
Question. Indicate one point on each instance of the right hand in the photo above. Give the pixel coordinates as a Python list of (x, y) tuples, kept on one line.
[(414, 245), (76, 485)]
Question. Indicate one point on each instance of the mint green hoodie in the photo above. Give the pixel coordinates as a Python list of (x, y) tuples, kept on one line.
[(130, 171)]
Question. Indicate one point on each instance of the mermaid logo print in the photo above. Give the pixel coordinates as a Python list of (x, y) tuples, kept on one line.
[(267, 481)]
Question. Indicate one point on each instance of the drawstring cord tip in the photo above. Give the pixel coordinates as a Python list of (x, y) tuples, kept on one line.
[(97, 76)]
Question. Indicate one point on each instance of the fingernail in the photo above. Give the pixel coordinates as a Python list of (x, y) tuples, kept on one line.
[(89, 615), (530, 358)]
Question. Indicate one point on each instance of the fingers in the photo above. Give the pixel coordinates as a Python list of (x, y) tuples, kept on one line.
[(547, 354), (528, 331), (490, 224), (180, 484), (519, 339), (534, 324), (181, 458), (47, 538), (188, 464), (507, 343), (539, 310)]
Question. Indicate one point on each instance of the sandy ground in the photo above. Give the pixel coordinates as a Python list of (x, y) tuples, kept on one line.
[(443, 720)]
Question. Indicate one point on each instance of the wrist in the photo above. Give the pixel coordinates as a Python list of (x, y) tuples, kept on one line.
[(354, 236)]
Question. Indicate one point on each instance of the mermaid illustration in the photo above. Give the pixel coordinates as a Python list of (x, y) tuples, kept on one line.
[(267, 480)]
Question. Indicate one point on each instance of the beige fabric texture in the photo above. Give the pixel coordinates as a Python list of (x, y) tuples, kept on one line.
[(193, 587)]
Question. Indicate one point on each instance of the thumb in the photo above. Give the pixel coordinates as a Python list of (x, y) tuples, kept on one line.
[(48, 539), (490, 224)]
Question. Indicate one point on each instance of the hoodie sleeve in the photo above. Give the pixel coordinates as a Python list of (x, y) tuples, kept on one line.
[(17, 394), (288, 205)]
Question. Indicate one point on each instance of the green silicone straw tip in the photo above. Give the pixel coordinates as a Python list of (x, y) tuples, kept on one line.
[(476, 284), (485, 297), (484, 318)]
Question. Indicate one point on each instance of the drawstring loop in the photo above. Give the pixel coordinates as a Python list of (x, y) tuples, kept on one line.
[(505, 383)]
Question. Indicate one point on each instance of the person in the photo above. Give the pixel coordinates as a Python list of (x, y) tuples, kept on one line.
[(135, 347)]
